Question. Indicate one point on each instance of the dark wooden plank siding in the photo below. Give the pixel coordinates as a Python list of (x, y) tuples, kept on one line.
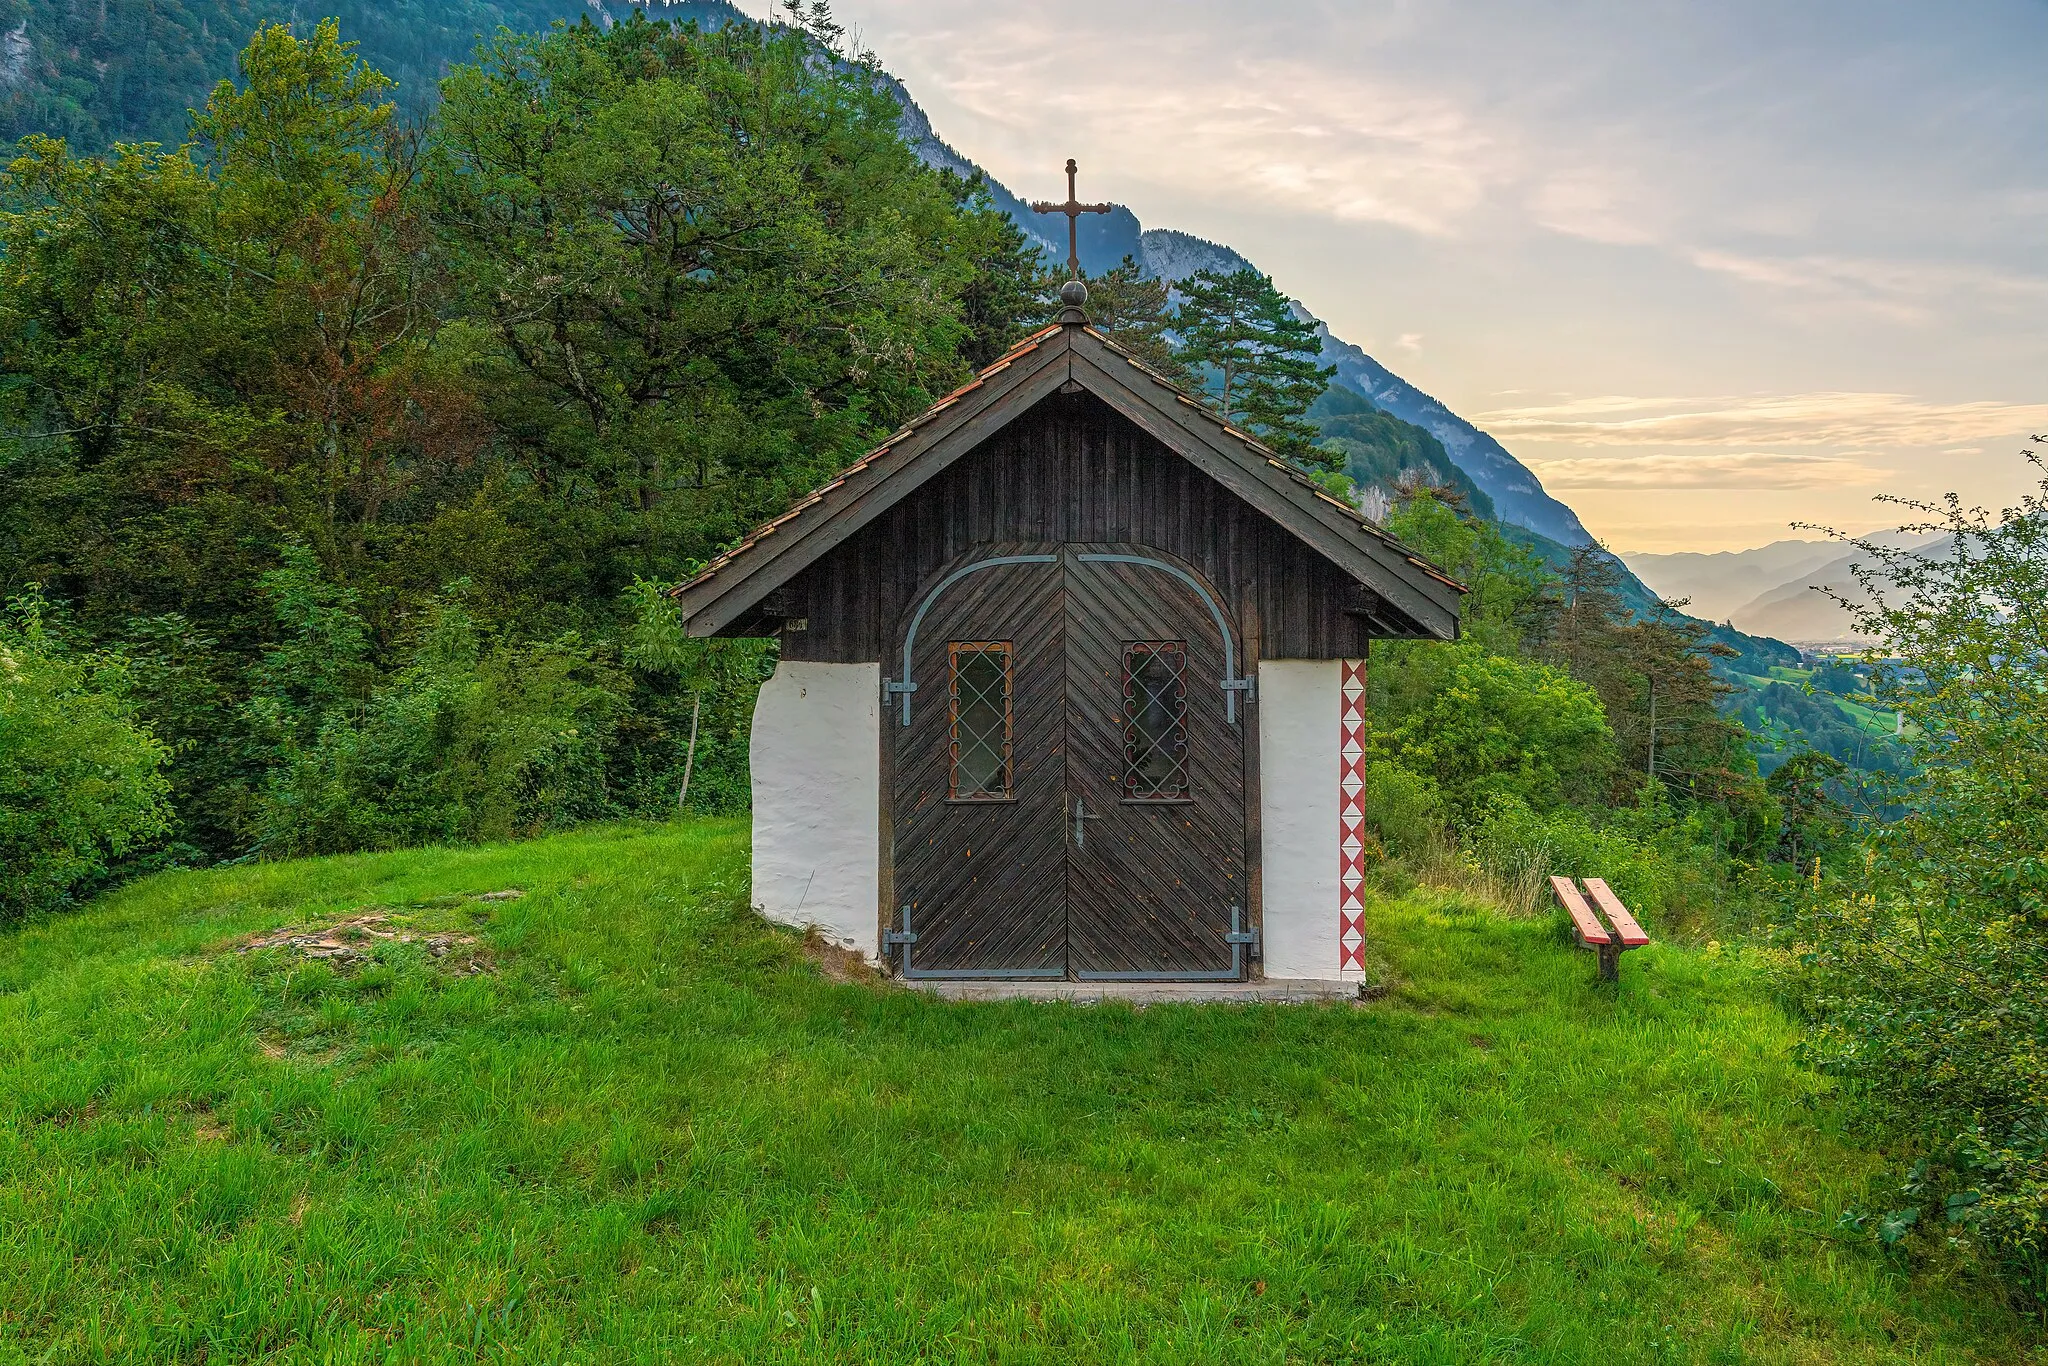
[(1072, 469)]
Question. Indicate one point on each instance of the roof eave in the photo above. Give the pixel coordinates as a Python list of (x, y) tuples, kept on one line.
[(728, 589)]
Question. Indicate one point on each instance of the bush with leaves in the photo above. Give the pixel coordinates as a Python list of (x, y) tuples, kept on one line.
[(1925, 978), (1405, 809), (1511, 839), (81, 783), (706, 691), (468, 741), (1481, 725)]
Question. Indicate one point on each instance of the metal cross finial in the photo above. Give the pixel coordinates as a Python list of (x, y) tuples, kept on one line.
[(1073, 209)]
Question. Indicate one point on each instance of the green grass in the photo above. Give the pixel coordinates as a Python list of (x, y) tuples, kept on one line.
[(657, 1133), (1876, 720)]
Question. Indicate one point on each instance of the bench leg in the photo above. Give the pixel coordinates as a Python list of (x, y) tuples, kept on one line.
[(1610, 962)]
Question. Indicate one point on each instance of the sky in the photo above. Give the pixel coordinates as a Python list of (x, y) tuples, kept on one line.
[(1708, 269)]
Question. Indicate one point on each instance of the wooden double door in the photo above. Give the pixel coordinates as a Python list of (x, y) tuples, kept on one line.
[(1068, 772)]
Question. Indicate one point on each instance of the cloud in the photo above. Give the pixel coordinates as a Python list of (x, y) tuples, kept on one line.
[(1196, 107), (1728, 470), (1703, 205), (1814, 419), (1906, 290), (1597, 204)]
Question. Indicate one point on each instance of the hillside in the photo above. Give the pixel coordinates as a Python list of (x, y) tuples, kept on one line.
[(581, 1105), (1380, 448), (1387, 427), (127, 70), (1828, 708)]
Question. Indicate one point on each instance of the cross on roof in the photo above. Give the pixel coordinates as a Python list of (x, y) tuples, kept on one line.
[(1073, 209)]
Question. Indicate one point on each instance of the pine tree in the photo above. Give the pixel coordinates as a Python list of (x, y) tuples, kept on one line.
[(1010, 293), (1260, 358), (1131, 309), (1590, 609)]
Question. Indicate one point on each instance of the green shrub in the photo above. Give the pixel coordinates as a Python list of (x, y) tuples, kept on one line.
[(687, 681), (467, 742), (1405, 808), (1512, 841), (1481, 725), (1924, 974), (80, 781)]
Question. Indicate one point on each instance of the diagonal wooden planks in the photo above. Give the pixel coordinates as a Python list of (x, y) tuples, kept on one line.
[(1151, 887), (1588, 925), (974, 872), (1625, 926), (1011, 887)]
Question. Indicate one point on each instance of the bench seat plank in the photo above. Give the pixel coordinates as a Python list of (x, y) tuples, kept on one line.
[(1588, 925), (1632, 935)]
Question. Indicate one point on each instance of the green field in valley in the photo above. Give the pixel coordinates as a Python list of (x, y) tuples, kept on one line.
[(617, 1118)]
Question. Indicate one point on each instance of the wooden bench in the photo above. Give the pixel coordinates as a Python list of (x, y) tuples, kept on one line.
[(1611, 940)]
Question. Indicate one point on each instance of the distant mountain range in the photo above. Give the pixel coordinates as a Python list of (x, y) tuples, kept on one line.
[(1781, 589), (1722, 583)]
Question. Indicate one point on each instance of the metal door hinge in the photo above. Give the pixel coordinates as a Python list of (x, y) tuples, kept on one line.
[(903, 939), (1241, 939), (891, 689)]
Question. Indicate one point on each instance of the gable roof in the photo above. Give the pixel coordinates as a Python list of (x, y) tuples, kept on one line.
[(1063, 356)]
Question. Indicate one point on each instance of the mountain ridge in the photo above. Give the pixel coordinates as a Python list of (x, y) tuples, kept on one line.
[(1780, 590), (1172, 255)]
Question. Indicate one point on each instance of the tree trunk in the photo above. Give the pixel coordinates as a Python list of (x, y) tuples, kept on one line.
[(690, 755)]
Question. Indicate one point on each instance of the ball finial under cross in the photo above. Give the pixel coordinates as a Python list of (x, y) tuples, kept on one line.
[(1072, 295)]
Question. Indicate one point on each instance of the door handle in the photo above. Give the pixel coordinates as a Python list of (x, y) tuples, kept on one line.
[(1082, 813)]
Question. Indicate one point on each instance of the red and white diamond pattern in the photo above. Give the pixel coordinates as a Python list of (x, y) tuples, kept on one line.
[(1351, 731)]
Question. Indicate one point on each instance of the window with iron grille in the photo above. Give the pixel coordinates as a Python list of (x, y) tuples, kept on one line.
[(1155, 720), (981, 720)]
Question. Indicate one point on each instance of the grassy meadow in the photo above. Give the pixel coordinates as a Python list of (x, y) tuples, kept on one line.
[(647, 1127)]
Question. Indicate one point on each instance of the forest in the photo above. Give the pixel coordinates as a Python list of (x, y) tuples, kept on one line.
[(346, 456)]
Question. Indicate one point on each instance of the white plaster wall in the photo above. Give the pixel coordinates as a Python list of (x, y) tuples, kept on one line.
[(1299, 735), (816, 756)]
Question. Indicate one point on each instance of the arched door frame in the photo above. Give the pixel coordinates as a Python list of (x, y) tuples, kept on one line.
[(1240, 673)]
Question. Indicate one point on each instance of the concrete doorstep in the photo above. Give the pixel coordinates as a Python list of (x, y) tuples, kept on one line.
[(1272, 991)]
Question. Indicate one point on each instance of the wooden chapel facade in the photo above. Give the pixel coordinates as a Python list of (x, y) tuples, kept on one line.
[(1071, 686)]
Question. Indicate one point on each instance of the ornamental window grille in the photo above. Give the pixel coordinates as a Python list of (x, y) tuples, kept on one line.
[(1155, 720), (981, 720)]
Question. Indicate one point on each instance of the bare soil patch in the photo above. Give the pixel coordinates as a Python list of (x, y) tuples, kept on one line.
[(837, 964), (353, 942)]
